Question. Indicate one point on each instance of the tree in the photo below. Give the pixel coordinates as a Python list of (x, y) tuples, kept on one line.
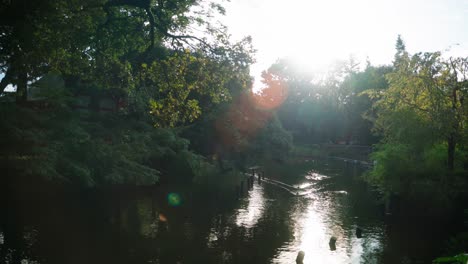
[(107, 43), (432, 88), (357, 105), (322, 107), (142, 55), (400, 49)]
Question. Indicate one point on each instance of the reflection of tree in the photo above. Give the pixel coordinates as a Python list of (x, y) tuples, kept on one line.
[(258, 243), (127, 229)]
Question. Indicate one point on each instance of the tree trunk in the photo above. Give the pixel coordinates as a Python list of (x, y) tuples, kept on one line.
[(451, 152), (454, 133), (22, 88)]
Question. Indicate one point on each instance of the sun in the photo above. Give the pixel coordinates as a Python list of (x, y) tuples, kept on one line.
[(312, 62), (312, 35)]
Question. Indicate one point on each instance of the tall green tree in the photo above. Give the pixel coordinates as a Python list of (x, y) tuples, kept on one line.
[(148, 57), (107, 43), (432, 88), (357, 105)]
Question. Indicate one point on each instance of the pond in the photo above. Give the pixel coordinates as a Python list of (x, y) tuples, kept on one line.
[(267, 225)]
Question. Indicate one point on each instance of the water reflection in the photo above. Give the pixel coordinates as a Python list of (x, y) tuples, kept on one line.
[(248, 215), (269, 225), (317, 219)]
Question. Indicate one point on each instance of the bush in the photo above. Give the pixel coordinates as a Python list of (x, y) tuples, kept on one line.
[(394, 164), (91, 149), (405, 170)]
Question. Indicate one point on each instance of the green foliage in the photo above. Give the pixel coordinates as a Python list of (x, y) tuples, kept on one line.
[(456, 244), (429, 90), (141, 58), (177, 84), (90, 149), (458, 259), (329, 107), (405, 126), (238, 134), (271, 143), (394, 167), (421, 118), (407, 170), (435, 160), (145, 50), (357, 104)]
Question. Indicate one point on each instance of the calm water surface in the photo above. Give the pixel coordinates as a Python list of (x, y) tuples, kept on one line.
[(268, 225)]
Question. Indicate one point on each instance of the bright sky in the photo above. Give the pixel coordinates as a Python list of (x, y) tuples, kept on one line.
[(316, 32)]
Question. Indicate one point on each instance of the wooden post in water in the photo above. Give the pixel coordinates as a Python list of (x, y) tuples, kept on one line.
[(358, 232), (300, 257), (332, 243)]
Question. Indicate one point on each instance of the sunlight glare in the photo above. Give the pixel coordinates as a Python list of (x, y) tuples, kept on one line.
[(249, 215), (313, 33)]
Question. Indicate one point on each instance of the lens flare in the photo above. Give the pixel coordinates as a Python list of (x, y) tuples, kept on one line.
[(274, 92), (174, 199), (162, 218), (249, 113), (242, 121)]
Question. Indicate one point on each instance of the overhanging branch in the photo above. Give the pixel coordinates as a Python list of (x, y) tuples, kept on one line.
[(153, 19), (152, 25)]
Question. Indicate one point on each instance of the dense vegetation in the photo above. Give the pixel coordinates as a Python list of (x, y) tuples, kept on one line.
[(118, 91), (413, 112), (422, 116), (104, 89)]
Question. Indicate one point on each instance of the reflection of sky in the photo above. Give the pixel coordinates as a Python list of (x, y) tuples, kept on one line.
[(248, 215), (315, 217), (316, 221)]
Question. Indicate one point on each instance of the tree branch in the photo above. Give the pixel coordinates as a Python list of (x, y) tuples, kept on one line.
[(152, 17), (152, 26)]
